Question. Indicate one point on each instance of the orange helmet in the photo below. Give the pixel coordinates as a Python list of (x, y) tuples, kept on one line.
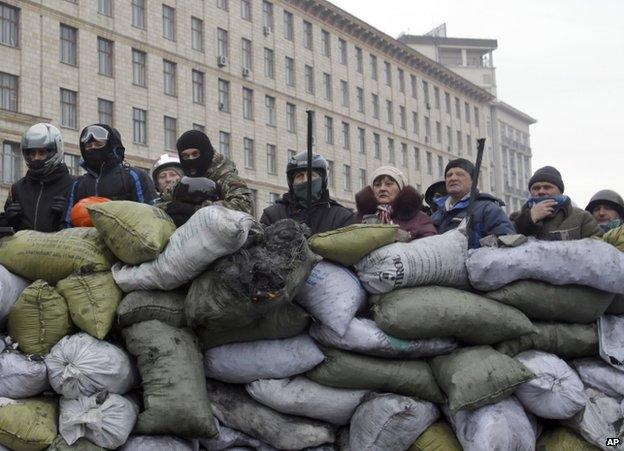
[(79, 214)]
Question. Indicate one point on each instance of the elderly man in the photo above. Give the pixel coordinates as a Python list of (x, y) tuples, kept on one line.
[(549, 215), (607, 208)]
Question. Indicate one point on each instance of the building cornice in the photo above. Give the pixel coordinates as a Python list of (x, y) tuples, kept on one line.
[(491, 44), (514, 112), (22, 118)]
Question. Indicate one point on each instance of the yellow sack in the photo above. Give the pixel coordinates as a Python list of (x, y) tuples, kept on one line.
[(28, 424), (438, 437), (562, 439), (615, 237), (135, 232)]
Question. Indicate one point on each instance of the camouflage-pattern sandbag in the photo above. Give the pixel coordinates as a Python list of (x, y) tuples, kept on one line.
[(568, 341), (438, 437), (82, 444), (22, 376), (145, 305), (11, 286), (174, 387), (28, 424), (39, 319), (430, 312), (617, 306), (546, 302), (562, 439)]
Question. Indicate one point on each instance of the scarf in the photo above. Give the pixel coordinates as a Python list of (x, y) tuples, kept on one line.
[(561, 200), (384, 214)]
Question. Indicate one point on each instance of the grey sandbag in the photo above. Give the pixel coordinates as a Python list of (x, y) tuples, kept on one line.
[(568, 341), (587, 262), (348, 370), (617, 306), (242, 363), (82, 444), (365, 337), (601, 376), (283, 322), (174, 387), (611, 340), (22, 376), (390, 422), (232, 439), (431, 312), (477, 376), (546, 302), (303, 397), (144, 305), (237, 410), (11, 286), (161, 443)]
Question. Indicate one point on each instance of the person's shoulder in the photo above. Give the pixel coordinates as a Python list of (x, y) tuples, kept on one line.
[(489, 198)]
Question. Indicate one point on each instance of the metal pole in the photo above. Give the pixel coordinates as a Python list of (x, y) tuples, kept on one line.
[(475, 181), (310, 114)]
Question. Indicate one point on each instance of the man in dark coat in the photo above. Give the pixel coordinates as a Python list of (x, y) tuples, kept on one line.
[(324, 213), (38, 200)]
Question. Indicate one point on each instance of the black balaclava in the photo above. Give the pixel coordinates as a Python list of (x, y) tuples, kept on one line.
[(110, 155), (194, 139)]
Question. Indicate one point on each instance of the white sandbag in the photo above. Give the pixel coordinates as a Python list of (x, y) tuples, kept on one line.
[(241, 363), (601, 376), (364, 336), (434, 260), (303, 397), (80, 365), (105, 420), (161, 442), (11, 286), (503, 426), (611, 340), (332, 295), (556, 392), (212, 232), (587, 262), (22, 376), (390, 422), (229, 439)]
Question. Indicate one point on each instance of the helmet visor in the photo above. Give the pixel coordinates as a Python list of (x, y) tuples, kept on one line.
[(94, 133)]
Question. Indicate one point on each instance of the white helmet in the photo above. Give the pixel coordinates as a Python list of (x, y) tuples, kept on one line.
[(165, 161), (43, 136)]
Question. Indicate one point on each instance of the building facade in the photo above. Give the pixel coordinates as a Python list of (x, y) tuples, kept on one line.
[(245, 72)]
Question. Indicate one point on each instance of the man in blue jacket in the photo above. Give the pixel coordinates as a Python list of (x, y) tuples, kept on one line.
[(488, 218)]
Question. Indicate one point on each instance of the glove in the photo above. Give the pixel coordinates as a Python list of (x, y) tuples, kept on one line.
[(58, 205), (180, 212), (195, 190), (13, 213)]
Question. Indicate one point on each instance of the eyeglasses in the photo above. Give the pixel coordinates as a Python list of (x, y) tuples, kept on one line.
[(94, 132)]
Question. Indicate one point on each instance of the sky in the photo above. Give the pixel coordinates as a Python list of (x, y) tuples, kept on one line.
[(559, 61)]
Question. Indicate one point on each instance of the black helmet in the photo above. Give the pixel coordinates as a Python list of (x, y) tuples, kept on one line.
[(300, 162), (608, 197), (195, 190), (43, 136), (435, 188)]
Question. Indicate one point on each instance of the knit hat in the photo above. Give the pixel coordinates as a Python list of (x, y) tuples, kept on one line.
[(547, 174), (461, 163), (392, 172)]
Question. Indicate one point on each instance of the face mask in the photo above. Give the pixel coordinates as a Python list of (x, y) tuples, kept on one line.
[(198, 166), (94, 159), (301, 192)]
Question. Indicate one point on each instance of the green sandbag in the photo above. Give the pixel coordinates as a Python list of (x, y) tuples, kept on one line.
[(39, 319), (432, 312), (28, 424), (568, 341), (477, 376), (82, 444), (284, 322), (562, 439), (144, 305), (52, 256), (348, 245), (348, 370), (135, 232), (617, 306), (438, 437), (546, 302), (92, 300), (174, 386)]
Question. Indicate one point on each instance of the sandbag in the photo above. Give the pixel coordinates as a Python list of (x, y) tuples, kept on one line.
[(210, 233), (562, 439), (601, 376), (543, 301), (92, 301), (365, 337), (390, 422), (135, 232), (555, 392), (300, 396), (242, 363), (332, 295), (477, 376), (348, 370), (22, 376), (434, 260), (283, 322), (611, 340), (236, 409), (430, 312), (82, 444), (52, 256), (11, 286), (438, 437), (348, 245), (587, 262), (144, 305), (80, 366), (174, 388), (568, 341), (28, 424), (232, 439), (617, 306), (39, 319), (503, 426), (161, 442)]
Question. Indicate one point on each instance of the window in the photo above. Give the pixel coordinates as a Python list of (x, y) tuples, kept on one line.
[(198, 127), (267, 14), (69, 44), (467, 111), (224, 96), (325, 43), (309, 79), (401, 80), (11, 162), (427, 127), (247, 61), (198, 87), (169, 22), (359, 60), (291, 118), (248, 150), (460, 142), (223, 45), (246, 10), (269, 63), (105, 112), (327, 86), (105, 7), (375, 101), (436, 97), (271, 159), (307, 35), (269, 102), (476, 117), (403, 154), (224, 144), (346, 136), (342, 51), (469, 144), (329, 130), (344, 93), (73, 164), (138, 13), (362, 140), (9, 25), (248, 111), (223, 4), (289, 27), (273, 197), (429, 163), (449, 137), (377, 145), (440, 167), (138, 67), (438, 132), (197, 34), (69, 102), (170, 132), (360, 99), (290, 71), (331, 182), (346, 171), (414, 85), (425, 86), (389, 112), (169, 75), (415, 123), (391, 157), (139, 126), (417, 158), (388, 71), (105, 57), (457, 112), (447, 102), (402, 117), (373, 66), (363, 179)]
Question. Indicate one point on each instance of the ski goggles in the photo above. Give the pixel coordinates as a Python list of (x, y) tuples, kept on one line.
[(94, 132)]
